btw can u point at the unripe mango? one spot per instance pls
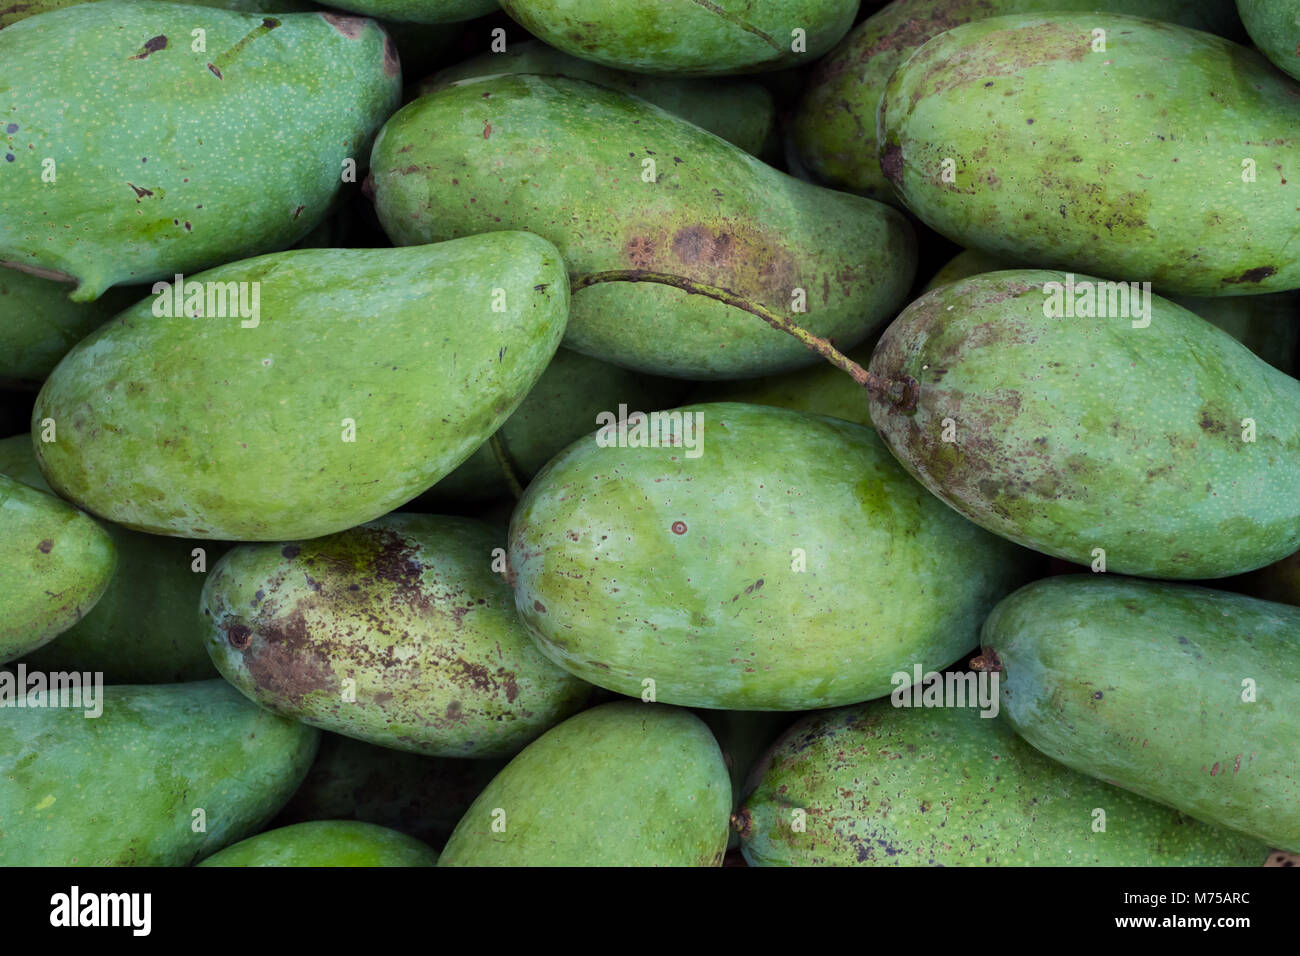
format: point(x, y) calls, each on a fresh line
point(619, 184)
point(326, 843)
point(30, 8)
point(622, 784)
point(645, 569)
point(55, 562)
point(1182, 694)
point(187, 151)
point(365, 376)
point(178, 771)
point(1039, 139)
point(420, 11)
point(1274, 25)
point(686, 37)
point(1149, 441)
point(878, 785)
point(399, 633)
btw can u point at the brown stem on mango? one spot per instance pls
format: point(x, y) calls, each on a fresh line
point(507, 466)
point(902, 391)
point(986, 662)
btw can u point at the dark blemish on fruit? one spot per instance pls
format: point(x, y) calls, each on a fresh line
point(152, 45)
point(1258, 274)
point(350, 27)
point(679, 527)
point(46, 546)
point(215, 71)
point(9, 157)
point(392, 62)
point(487, 130)
point(1097, 696)
point(290, 551)
point(298, 211)
point(270, 23)
point(11, 128)
point(140, 191)
point(539, 607)
point(891, 163)
point(239, 636)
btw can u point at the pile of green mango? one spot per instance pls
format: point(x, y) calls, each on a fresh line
point(609, 433)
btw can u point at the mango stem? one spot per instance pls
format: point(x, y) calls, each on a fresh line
point(895, 391)
point(507, 466)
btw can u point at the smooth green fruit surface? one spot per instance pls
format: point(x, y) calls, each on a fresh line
point(740, 111)
point(180, 160)
point(1165, 446)
point(1016, 136)
point(619, 184)
point(420, 11)
point(880, 785)
point(424, 797)
point(1274, 25)
point(834, 127)
point(399, 633)
point(30, 8)
point(127, 788)
point(326, 843)
point(55, 562)
point(1182, 694)
point(686, 37)
point(623, 784)
point(784, 563)
point(375, 371)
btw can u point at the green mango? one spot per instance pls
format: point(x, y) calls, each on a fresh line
point(54, 565)
point(375, 371)
point(879, 785)
point(409, 610)
point(833, 132)
point(1265, 324)
point(1159, 445)
point(622, 784)
point(743, 736)
point(326, 843)
point(687, 37)
point(38, 324)
point(187, 159)
point(419, 11)
point(23, 9)
point(714, 565)
point(561, 408)
point(564, 159)
point(1057, 173)
point(1182, 694)
point(740, 111)
point(1274, 25)
point(424, 797)
point(143, 629)
point(166, 775)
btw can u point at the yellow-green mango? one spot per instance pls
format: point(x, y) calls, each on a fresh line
point(326, 843)
point(365, 376)
point(188, 150)
point(619, 184)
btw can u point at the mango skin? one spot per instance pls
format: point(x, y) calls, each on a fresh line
point(1075, 188)
point(143, 629)
point(562, 158)
point(154, 429)
point(55, 564)
point(622, 784)
point(740, 111)
point(1077, 433)
point(156, 754)
point(424, 797)
point(30, 8)
point(684, 37)
point(640, 563)
point(833, 131)
point(1140, 683)
point(135, 198)
point(38, 324)
point(887, 786)
point(1274, 25)
point(326, 843)
point(420, 11)
point(409, 608)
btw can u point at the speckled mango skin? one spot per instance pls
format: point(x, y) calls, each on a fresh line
point(740, 111)
point(1077, 433)
point(157, 430)
point(170, 167)
point(1125, 163)
point(622, 784)
point(420, 11)
point(563, 158)
point(1274, 25)
point(143, 629)
point(409, 608)
point(640, 563)
point(892, 786)
point(1141, 684)
point(55, 563)
point(834, 128)
point(120, 789)
point(327, 843)
point(23, 9)
point(39, 324)
point(686, 37)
